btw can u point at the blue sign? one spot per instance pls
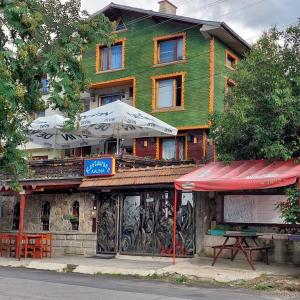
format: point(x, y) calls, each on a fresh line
point(104, 166)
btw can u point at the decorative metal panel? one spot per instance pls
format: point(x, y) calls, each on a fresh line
point(147, 224)
point(107, 223)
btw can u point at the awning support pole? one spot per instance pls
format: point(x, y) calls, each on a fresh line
point(21, 226)
point(174, 227)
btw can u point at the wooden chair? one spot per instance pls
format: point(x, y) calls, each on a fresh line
point(11, 245)
point(46, 245)
point(3, 243)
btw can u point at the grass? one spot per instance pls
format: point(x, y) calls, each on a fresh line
point(262, 287)
point(70, 268)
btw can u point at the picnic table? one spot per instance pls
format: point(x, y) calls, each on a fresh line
point(245, 242)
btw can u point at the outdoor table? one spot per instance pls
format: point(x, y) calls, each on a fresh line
point(242, 243)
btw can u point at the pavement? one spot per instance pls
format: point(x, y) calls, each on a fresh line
point(20, 284)
point(200, 267)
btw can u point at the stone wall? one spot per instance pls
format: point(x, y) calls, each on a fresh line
point(65, 240)
point(60, 210)
point(7, 204)
point(71, 243)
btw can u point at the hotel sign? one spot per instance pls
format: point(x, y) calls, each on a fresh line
point(105, 166)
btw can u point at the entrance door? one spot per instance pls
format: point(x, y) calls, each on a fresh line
point(147, 224)
point(107, 231)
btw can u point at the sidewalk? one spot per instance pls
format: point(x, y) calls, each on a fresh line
point(224, 270)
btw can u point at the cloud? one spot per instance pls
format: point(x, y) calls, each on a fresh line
point(249, 18)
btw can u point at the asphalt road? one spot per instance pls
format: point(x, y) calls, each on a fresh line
point(36, 284)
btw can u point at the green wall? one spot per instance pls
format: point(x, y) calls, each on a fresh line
point(221, 71)
point(139, 54)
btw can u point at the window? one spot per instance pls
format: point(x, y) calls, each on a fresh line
point(169, 48)
point(16, 216)
point(74, 219)
point(45, 216)
point(173, 148)
point(106, 99)
point(44, 83)
point(78, 152)
point(168, 92)
point(120, 25)
point(110, 58)
point(41, 113)
point(231, 60)
point(229, 84)
point(86, 104)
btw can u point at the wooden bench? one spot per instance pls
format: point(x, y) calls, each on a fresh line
point(234, 250)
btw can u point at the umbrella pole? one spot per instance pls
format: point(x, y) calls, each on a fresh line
point(118, 144)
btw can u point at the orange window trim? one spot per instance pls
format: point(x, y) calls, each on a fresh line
point(155, 80)
point(203, 144)
point(211, 74)
point(157, 154)
point(117, 82)
point(98, 53)
point(230, 54)
point(185, 135)
point(134, 148)
point(158, 39)
point(193, 127)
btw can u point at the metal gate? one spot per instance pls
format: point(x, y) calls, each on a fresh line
point(107, 226)
point(147, 224)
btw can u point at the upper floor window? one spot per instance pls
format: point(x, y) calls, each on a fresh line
point(44, 83)
point(169, 48)
point(120, 25)
point(229, 84)
point(173, 148)
point(110, 58)
point(231, 60)
point(168, 92)
point(106, 99)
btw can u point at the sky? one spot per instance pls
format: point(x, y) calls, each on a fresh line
point(249, 18)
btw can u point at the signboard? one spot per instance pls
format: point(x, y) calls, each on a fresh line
point(252, 209)
point(104, 166)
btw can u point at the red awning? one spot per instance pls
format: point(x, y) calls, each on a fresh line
point(240, 175)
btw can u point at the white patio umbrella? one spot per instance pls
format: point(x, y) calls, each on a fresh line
point(118, 119)
point(49, 133)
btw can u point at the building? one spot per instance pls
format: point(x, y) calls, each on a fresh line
point(175, 68)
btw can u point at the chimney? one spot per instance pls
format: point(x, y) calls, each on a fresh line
point(166, 7)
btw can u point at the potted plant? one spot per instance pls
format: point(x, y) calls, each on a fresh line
point(73, 219)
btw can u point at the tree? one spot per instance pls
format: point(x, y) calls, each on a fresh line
point(36, 38)
point(262, 112)
point(262, 115)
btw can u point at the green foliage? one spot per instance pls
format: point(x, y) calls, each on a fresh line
point(262, 115)
point(290, 210)
point(41, 37)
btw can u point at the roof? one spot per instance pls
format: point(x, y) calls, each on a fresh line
point(240, 175)
point(139, 176)
point(218, 29)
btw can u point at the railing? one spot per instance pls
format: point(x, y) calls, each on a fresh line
point(37, 245)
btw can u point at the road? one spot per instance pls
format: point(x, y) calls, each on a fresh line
point(36, 284)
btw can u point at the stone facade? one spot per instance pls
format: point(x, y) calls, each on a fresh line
point(65, 240)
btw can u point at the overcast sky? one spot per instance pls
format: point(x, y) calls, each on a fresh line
point(249, 18)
